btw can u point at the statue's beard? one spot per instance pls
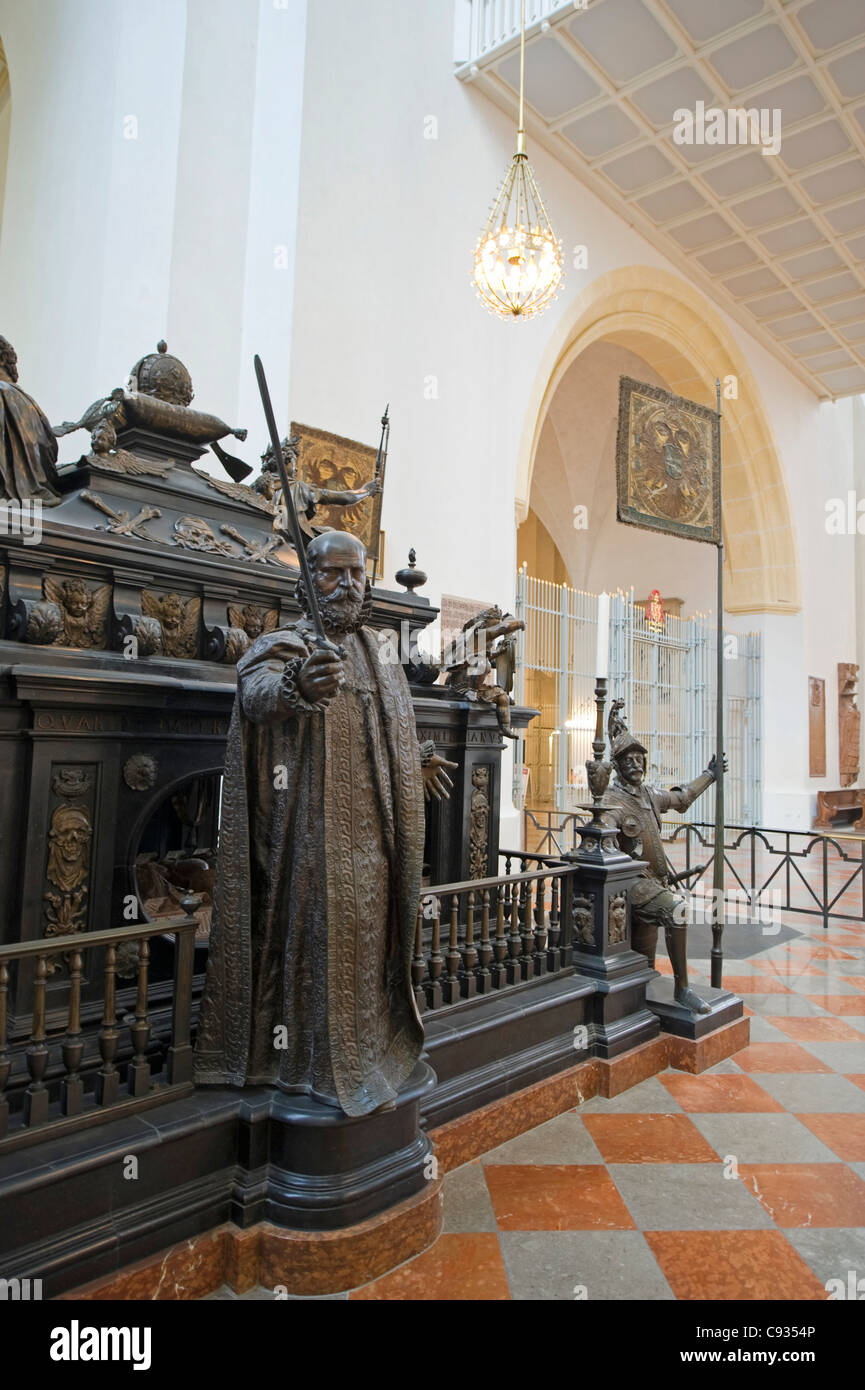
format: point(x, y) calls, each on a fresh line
point(341, 613)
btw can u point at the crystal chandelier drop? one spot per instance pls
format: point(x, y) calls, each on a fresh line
point(518, 258)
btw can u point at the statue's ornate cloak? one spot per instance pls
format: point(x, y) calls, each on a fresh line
point(318, 881)
point(28, 449)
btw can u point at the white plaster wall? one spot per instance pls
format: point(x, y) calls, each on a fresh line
point(5, 127)
point(89, 212)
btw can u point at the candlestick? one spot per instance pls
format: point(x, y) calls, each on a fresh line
point(602, 655)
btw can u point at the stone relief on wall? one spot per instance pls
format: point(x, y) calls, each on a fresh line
point(849, 723)
point(479, 829)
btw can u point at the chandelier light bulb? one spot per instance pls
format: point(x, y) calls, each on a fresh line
point(519, 263)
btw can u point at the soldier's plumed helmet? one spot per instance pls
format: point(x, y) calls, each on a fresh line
point(622, 741)
point(627, 742)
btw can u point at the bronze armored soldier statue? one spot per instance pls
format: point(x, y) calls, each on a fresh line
point(636, 810)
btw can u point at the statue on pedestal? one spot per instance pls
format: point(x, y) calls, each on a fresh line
point(28, 449)
point(321, 844)
point(636, 810)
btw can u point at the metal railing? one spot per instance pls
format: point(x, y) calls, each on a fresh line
point(55, 1107)
point(484, 935)
point(806, 872)
point(493, 23)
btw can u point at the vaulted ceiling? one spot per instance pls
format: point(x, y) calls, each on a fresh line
point(778, 240)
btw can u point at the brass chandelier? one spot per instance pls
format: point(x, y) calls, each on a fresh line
point(518, 258)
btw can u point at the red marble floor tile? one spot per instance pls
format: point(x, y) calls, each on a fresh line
point(844, 1134)
point(778, 1057)
point(807, 1194)
point(816, 1029)
point(556, 1197)
point(720, 1095)
point(816, 952)
point(855, 980)
point(728, 1265)
point(457, 1267)
point(857, 1081)
point(649, 1139)
point(838, 1003)
point(755, 983)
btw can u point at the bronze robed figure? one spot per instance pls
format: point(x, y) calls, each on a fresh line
point(28, 448)
point(319, 876)
point(636, 811)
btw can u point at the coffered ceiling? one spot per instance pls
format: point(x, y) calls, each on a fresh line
point(778, 240)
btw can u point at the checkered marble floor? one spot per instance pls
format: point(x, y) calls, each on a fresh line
point(747, 1182)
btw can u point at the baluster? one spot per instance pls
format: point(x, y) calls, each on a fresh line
point(139, 1078)
point(72, 1047)
point(5, 1059)
point(107, 1078)
point(436, 962)
point(554, 955)
point(483, 976)
point(515, 942)
point(418, 964)
point(36, 1095)
point(470, 954)
point(540, 951)
point(498, 973)
point(452, 955)
point(526, 934)
point(507, 865)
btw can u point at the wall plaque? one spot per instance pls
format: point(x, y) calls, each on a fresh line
point(816, 727)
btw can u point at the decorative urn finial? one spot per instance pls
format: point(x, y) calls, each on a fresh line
point(411, 578)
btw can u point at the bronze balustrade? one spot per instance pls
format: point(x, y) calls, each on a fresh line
point(498, 932)
point(73, 1107)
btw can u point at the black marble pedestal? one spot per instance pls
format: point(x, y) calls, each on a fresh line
point(724, 1008)
point(326, 1170)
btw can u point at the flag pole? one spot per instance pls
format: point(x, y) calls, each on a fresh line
point(717, 915)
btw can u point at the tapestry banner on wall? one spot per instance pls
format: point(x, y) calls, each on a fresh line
point(668, 463)
point(341, 465)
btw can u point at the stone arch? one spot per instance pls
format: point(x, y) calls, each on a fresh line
point(670, 325)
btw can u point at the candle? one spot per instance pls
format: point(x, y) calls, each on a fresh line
point(602, 657)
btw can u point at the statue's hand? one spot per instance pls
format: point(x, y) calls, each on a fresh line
point(373, 488)
point(320, 677)
point(435, 780)
point(713, 765)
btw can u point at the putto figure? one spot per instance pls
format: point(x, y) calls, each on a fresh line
point(28, 448)
point(636, 810)
point(308, 981)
